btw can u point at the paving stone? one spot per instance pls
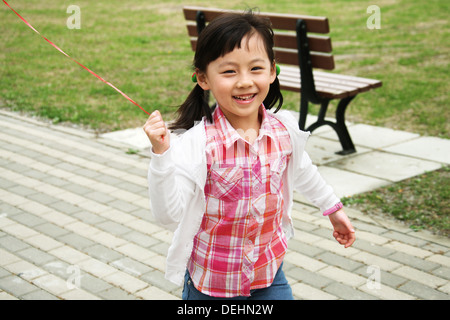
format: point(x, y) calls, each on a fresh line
point(131, 267)
point(116, 293)
point(35, 256)
point(125, 281)
point(372, 248)
point(16, 286)
point(430, 148)
point(386, 166)
point(78, 294)
point(306, 292)
point(93, 284)
point(342, 276)
point(51, 230)
point(386, 293)
point(423, 291)
point(76, 241)
point(52, 284)
point(386, 278)
point(156, 278)
point(12, 244)
point(308, 277)
point(102, 253)
point(420, 276)
point(59, 268)
point(39, 294)
point(412, 261)
point(339, 178)
point(154, 293)
point(347, 293)
point(142, 239)
point(338, 261)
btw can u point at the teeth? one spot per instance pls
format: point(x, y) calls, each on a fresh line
point(244, 97)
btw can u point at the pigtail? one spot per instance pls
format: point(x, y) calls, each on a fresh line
point(274, 96)
point(193, 109)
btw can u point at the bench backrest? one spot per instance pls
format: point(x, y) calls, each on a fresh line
point(286, 30)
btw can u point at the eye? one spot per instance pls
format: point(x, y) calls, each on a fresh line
point(257, 68)
point(228, 72)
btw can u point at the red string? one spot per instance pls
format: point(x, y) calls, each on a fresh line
point(87, 69)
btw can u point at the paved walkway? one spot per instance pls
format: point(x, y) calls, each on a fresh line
point(75, 222)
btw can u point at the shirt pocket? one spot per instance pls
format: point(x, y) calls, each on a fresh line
point(226, 183)
point(277, 167)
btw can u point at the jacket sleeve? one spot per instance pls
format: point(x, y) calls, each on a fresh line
point(169, 189)
point(311, 184)
point(177, 177)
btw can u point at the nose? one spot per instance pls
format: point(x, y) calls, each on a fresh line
point(244, 81)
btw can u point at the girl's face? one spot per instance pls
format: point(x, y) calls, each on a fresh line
point(240, 80)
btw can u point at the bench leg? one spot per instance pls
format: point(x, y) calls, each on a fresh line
point(321, 117)
point(339, 126)
point(303, 113)
point(341, 129)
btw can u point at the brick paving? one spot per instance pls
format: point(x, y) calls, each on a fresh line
point(75, 224)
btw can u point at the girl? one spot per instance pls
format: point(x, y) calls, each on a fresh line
point(225, 186)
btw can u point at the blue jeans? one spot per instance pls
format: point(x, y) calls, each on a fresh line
point(278, 290)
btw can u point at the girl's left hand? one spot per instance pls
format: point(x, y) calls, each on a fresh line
point(343, 229)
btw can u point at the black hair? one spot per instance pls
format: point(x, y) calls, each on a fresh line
point(221, 36)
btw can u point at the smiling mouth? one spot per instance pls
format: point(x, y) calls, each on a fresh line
point(245, 98)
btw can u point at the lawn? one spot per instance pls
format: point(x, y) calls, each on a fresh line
point(422, 202)
point(142, 48)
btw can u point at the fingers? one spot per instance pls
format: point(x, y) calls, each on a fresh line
point(157, 132)
point(155, 124)
point(344, 233)
point(345, 239)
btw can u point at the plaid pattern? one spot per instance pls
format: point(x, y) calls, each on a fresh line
point(240, 243)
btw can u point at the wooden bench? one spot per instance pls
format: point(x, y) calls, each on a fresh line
point(299, 52)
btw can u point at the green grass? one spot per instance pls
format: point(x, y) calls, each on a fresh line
point(142, 48)
point(422, 202)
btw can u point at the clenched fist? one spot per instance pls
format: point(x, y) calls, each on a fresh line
point(157, 132)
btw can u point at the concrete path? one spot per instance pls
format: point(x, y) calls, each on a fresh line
point(75, 222)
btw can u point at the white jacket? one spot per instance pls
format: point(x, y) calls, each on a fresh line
point(177, 179)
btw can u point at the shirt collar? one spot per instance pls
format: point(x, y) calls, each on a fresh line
point(229, 135)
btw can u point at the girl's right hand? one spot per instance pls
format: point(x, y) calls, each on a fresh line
point(157, 132)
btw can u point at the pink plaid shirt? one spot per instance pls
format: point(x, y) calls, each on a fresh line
point(240, 244)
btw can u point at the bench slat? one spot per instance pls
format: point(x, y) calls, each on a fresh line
point(288, 71)
point(327, 84)
point(329, 90)
point(360, 86)
point(319, 60)
point(329, 93)
point(345, 78)
point(278, 20)
point(285, 40)
point(316, 43)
